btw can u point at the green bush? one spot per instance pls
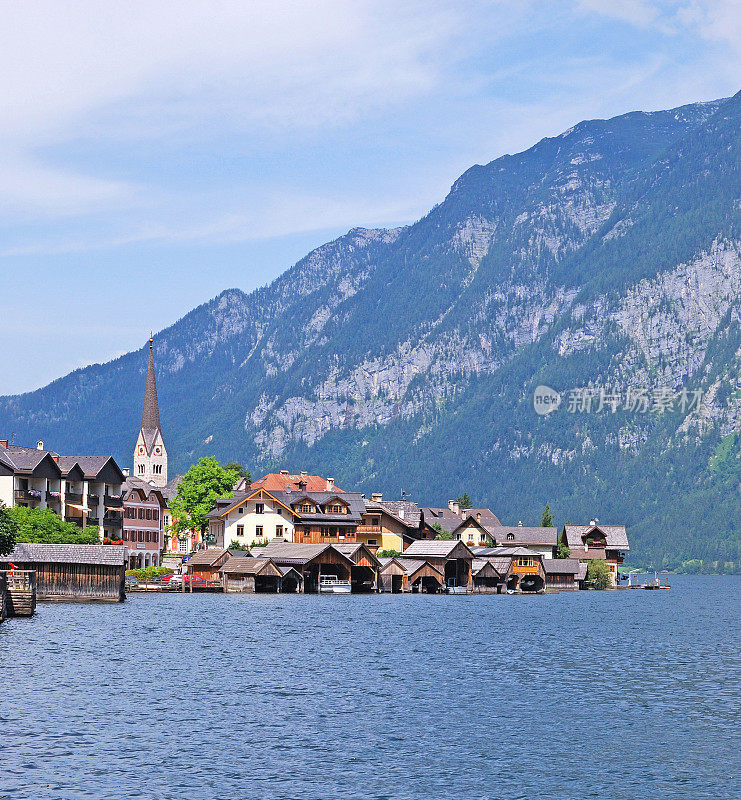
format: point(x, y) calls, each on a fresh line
point(388, 553)
point(8, 530)
point(147, 573)
point(43, 526)
point(598, 574)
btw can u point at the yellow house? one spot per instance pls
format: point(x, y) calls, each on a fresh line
point(383, 528)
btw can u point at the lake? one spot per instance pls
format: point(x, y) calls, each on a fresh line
point(626, 694)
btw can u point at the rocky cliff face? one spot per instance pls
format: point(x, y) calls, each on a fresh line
point(608, 257)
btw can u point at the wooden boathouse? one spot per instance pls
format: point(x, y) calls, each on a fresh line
point(256, 575)
point(72, 571)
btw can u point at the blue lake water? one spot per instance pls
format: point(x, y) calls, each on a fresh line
point(627, 694)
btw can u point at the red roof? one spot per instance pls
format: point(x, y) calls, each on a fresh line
point(278, 481)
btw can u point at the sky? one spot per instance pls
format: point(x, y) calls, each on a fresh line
point(153, 154)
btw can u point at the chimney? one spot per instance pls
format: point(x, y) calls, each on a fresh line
point(453, 506)
point(3, 442)
point(302, 486)
point(330, 484)
point(304, 474)
point(377, 497)
point(40, 444)
point(478, 516)
point(592, 521)
point(126, 472)
point(284, 472)
point(519, 524)
point(400, 513)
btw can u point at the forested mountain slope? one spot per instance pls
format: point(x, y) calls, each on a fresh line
point(608, 256)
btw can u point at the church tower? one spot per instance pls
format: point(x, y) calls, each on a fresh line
point(150, 455)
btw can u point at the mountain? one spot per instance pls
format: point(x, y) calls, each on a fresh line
point(607, 257)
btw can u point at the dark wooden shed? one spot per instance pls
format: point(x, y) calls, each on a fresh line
point(72, 571)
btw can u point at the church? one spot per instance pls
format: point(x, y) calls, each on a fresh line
point(150, 453)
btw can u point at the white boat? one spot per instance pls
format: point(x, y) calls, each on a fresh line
point(331, 584)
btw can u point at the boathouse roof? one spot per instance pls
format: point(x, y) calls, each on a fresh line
point(26, 553)
point(561, 566)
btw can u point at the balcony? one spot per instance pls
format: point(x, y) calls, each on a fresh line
point(93, 499)
point(113, 501)
point(53, 497)
point(115, 523)
point(73, 497)
point(30, 495)
point(76, 520)
point(369, 529)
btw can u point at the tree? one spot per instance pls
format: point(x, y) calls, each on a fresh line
point(8, 530)
point(546, 521)
point(388, 553)
point(442, 534)
point(598, 574)
point(43, 526)
point(464, 501)
point(240, 470)
point(201, 486)
point(563, 551)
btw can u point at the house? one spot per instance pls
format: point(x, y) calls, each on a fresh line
point(521, 570)
point(451, 558)
point(257, 575)
point(85, 490)
point(486, 577)
point(540, 540)
point(284, 481)
point(561, 573)
point(143, 526)
point(410, 575)
point(206, 564)
point(324, 517)
point(352, 562)
point(607, 542)
point(449, 519)
point(384, 527)
point(72, 571)
point(251, 518)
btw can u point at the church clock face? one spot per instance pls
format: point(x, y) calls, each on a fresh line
point(158, 451)
point(141, 450)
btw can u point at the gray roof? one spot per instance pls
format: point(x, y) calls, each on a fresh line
point(294, 552)
point(411, 565)
point(24, 459)
point(524, 535)
point(206, 558)
point(615, 535)
point(354, 500)
point(404, 510)
point(113, 555)
point(561, 566)
point(582, 574)
point(170, 489)
point(245, 566)
point(481, 563)
point(131, 483)
point(433, 548)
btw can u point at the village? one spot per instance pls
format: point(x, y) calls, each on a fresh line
point(282, 533)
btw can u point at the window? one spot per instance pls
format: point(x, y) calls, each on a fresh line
point(372, 542)
point(146, 536)
point(306, 508)
point(183, 545)
point(141, 513)
point(149, 513)
point(155, 513)
point(157, 469)
point(240, 511)
point(326, 531)
point(259, 508)
point(279, 512)
point(525, 561)
point(240, 530)
point(510, 537)
point(125, 534)
point(258, 531)
point(141, 536)
point(336, 509)
point(470, 537)
point(279, 530)
point(155, 536)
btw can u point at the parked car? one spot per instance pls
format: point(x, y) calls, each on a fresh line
point(172, 581)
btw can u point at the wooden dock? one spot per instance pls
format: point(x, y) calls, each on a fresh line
point(19, 592)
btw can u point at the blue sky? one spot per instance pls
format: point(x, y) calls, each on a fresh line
point(154, 153)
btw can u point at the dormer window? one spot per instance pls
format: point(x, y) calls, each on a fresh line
point(336, 509)
point(259, 508)
point(510, 537)
point(306, 508)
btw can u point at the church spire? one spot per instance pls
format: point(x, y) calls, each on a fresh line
point(151, 409)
